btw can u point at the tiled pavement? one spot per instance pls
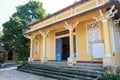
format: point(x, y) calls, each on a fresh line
point(17, 75)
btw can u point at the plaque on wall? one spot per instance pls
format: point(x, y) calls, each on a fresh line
point(98, 50)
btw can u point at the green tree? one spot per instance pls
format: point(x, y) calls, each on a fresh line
point(1, 35)
point(13, 38)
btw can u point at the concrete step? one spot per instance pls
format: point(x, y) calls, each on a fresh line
point(77, 67)
point(80, 71)
point(49, 75)
point(70, 70)
point(61, 73)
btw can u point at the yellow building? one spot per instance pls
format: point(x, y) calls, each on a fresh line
point(88, 30)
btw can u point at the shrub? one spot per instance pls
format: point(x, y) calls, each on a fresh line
point(3, 57)
point(22, 61)
point(111, 77)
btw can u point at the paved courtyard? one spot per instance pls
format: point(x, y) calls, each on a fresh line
point(13, 74)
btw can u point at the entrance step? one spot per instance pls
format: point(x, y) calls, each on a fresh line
point(63, 72)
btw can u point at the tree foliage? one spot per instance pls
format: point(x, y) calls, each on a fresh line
point(1, 35)
point(13, 38)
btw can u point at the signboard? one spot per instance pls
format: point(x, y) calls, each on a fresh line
point(98, 50)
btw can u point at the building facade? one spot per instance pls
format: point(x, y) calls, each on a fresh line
point(88, 30)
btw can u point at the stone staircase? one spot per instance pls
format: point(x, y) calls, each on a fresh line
point(60, 70)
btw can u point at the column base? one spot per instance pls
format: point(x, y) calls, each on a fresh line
point(44, 60)
point(107, 61)
point(30, 59)
point(71, 61)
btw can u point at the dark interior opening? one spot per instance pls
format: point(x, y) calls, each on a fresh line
point(65, 48)
point(10, 56)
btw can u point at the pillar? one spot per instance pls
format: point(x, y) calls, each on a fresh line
point(44, 57)
point(71, 59)
point(30, 59)
point(71, 27)
point(71, 43)
point(107, 61)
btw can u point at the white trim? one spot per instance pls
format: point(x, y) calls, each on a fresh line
point(101, 13)
point(62, 36)
point(104, 20)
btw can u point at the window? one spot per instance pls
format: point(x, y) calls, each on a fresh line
point(37, 46)
point(93, 34)
point(118, 36)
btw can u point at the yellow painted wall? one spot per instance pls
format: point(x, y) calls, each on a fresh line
point(37, 56)
point(76, 9)
point(80, 37)
point(51, 54)
point(85, 7)
point(82, 41)
point(63, 15)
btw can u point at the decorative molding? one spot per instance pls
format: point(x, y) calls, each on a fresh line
point(44, 34)
point(30, 37)
point(72, 11)
point(117, 21)
point(101, 13)
point(111, 13)
point(77, 13)
point(71, 27)
point(97, 18)
point(92, 34)
point(104, 20)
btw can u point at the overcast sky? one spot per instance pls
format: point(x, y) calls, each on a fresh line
point(8, 7)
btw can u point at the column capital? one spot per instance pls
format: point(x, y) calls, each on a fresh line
point(29, 37)
point(97, 18)
point(44, 34)
point(105, 20)
point(71, 26)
